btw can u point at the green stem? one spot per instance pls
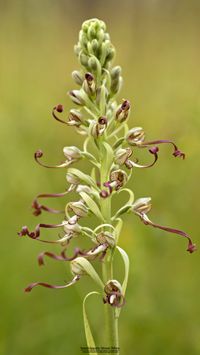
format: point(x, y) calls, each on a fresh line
point(111, 317)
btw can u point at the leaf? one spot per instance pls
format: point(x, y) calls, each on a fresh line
point(127, 206)
point(86, 266)
point(121, 211)
point(92, 205)
point(118, 143)
point(88, 333)
point(82, 176)
point(126, 264)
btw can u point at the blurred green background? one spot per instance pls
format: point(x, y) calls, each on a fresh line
point(157, 46)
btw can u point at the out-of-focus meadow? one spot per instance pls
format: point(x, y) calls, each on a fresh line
point(157, 45)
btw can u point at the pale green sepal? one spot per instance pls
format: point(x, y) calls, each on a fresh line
point(83, 177)
point(87, 267)
point(92, 205)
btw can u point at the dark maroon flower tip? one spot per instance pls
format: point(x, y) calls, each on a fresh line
point(24, 231)
point(104, 194)
point(102, 120)
point(89, 77)
point(38, 209)
point(125, 105)
point(178, 153)
point(191, 247)
point(154, 150)
point(59, 108)
point(38, 154)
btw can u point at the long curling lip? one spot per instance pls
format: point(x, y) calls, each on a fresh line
point(191, 247)
point(39, 207)
point(176, 153)
point(44, 284)
point(154, 151)
point(61, 257)
point(58, 108)
point(39, 154)
point(34, 235)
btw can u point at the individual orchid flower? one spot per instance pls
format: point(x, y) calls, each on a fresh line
point(143, 205)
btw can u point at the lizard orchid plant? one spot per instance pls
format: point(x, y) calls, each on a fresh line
point(110, 147)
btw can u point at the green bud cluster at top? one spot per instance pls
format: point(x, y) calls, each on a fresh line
point(110, 148)
point(94, 48)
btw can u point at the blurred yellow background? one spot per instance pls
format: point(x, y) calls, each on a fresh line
point(157, 45)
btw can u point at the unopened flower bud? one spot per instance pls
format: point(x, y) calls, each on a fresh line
point(83, 60)
point(123, 111)
point(77, 268)
point(110, 55)
point(59, 108)
point(95, 47)
point(76, 97)
point(97, 129)
point(94, 64)
point(78, 77)
point(105, 237)
point(84, 188)
point(142, 205)
point(135, 136)
point(72, 179)
point(78, 208)
point(89, 84)
point(112, 285)
point(116, 80)
point(91, 33)
point(116, 72)
point(74, 228)
point(75, 118)
point(122, 155)
point(72, 153)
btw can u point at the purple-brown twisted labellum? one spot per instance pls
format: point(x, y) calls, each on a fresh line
point(191, 247)
point(61, 257)
point(153, 151)
point(44, 284)
point(38, 207)
point(58, 108)
point(34, 235)
point(176, 153)
point(38, 154)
